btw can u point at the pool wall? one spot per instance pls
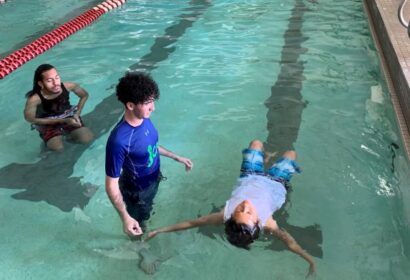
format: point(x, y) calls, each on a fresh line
point(393, 45)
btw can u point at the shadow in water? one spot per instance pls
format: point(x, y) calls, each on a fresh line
point(285, 106)
point(49, 179)
point(309, 238)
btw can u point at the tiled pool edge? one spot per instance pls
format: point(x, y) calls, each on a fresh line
point(393, 46)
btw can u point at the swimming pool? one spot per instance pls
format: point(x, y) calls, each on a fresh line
point(280, 71)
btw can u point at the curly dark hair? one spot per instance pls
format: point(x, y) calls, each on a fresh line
point(136, 87)
point(241, 235)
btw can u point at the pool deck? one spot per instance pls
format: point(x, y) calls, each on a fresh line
point(393, 46)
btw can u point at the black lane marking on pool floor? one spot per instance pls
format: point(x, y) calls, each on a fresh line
point(50, 178)
point(285, 107)
point(161, 48)
point(285, 102)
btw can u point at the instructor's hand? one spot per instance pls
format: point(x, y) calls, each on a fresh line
point(186, 161)
point(132, 227)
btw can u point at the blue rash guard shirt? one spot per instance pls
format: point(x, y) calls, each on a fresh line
point(134, 150)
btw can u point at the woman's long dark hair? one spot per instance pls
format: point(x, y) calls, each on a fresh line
point(38, 77)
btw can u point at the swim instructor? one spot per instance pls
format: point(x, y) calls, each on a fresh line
point(132, 163)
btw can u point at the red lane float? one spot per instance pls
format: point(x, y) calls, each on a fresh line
point(49, 40)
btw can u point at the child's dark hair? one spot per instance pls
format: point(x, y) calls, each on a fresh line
point(241, 235)
point(136, 87)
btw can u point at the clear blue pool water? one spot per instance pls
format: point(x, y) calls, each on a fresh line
point(291, 73)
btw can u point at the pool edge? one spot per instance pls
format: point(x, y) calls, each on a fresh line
point(394, 53)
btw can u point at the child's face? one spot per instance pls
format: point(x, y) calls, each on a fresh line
point(245, 213)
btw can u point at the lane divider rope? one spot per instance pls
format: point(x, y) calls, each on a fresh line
point(49, 40)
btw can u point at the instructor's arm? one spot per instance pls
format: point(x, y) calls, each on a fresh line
point(185, 161)
point(130, 226)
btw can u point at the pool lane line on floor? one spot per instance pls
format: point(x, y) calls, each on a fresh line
point(286, 101)
point(172, 34)
point(286, 104)
point(49, 40)
point(50, 179)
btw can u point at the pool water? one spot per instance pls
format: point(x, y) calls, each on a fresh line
point(294, 74)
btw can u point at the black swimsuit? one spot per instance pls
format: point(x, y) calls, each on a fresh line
point(55, 106)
